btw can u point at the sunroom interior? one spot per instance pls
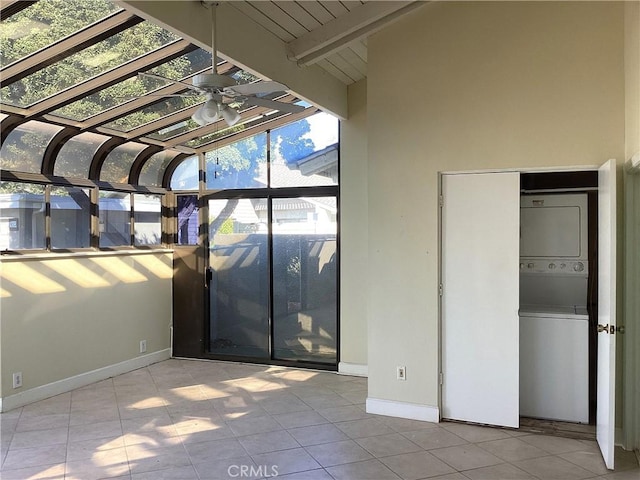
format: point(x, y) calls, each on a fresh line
point(308, 236)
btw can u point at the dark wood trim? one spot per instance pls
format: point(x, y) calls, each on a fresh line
point(139, 162)
point(52, 150)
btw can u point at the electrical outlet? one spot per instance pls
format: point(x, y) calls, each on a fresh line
point(401, 373)
point(17, 380)
point(143, 346)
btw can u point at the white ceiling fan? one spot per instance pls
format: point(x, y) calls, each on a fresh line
point(221, 91)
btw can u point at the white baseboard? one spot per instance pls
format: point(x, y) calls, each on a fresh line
point(82, 380)
point(413, 411)
point(356, 369)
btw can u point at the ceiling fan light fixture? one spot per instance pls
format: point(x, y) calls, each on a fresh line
point(198, 118)
point(210, 111)
point(230, 115)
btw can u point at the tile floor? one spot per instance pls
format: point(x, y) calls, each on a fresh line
point(183, 420)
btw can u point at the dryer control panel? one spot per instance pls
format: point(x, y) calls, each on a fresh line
point(554, 266)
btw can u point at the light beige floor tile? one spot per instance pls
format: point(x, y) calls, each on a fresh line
point(319, 474)
point(414, 466)
point(144, 459)
point(317, 434)
point(326, 400)
point(336, 453)
point(466, 457)
point(40, 438)
point(343, 414)
point(188, 424)
point(355, 397)
point(58, 404)
point(553, 468)
point(253, 425)
point(625, 475)
point(202, 408)
point(31, 457)
point(300, 419)
point(93, 399)
point(553, 445)
point(286, 461)
point(224, 469)
point(367, 470)
point(221, 432)
point(503, 471)
point(387, 445)
point(285, 405)
point(110, 429)
point(512, 449)
point(430, 438)
point(42, 422)
point(150, 407)
point(364, 428)
point(44, 472)
point(590, 460)
point(173, 473)
point(106, 464)
point(177, 418)
point(95, 415)
point(268, 442)
point(405, 424)
point(451, 476)
point(87, 448)
point(203, 452)
point(475, 433)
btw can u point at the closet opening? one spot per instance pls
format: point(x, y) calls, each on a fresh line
point(558, 311)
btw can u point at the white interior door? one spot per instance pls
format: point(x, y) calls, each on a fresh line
point(606, 377)
point(479, 313)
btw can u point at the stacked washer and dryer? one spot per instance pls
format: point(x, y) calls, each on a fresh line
point(554, 323)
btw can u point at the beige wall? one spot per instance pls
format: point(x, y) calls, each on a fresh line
point(353, 228)
point(68, 315)
point(459, 86)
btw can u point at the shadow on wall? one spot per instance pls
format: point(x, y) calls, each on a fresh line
point(50, 276)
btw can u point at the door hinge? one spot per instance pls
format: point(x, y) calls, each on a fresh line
point(440, 289)
point(441, 201)
point(441, 379)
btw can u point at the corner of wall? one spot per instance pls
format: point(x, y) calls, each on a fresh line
point(353, 232)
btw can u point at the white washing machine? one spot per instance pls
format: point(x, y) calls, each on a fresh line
point(554, 363)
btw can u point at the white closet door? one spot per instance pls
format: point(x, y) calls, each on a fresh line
point(606, 372)
point(479, 313)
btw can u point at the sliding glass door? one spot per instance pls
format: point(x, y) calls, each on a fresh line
point(238, 278)
point(272, 279)
point(304, 279)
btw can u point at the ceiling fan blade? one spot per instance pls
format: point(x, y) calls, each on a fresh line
point(165, 79)
point(258, 87)
point(281, 106)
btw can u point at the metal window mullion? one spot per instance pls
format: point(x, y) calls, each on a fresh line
point(269, 158)
point(94, 195)
point(270, 275)
point(47, 217)
point(132, 226)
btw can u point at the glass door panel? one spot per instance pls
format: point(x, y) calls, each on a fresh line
point(305, 279)
point(238, 278)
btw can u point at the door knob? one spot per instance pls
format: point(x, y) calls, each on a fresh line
point(620, 329)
